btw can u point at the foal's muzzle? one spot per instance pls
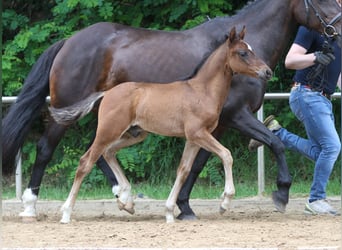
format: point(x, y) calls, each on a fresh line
point(265, 74)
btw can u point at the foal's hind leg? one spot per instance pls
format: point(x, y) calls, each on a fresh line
point(107, 171)
point(124, 195)
point(86, 164)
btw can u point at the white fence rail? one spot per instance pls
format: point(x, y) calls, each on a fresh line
point(261, 161)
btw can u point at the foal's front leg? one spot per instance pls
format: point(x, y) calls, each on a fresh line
point(209, 143)
point(189, 153)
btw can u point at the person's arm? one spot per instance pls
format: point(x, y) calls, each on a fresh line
point(297, 58)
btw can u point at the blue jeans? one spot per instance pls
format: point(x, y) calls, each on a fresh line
point(323, 144)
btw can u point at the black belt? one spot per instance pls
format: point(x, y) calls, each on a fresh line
point(326, 95)
point(297, 84)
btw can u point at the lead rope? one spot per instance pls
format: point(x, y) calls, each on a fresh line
point(319, 68)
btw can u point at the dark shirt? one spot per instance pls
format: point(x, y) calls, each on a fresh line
point(313, 41)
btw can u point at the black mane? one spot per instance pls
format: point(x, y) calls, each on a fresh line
point(204, 59)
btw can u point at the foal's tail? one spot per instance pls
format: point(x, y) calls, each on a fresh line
point(70, 114)
point(32, 97)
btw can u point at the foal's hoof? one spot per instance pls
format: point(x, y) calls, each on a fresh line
point(253, 145)
point(129, 207)
point(222, 210)
point(64, 221)
point(279, 203)
point(29, 213)
point(129, 210)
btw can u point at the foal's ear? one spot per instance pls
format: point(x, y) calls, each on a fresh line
point(232, 34)
point(242, 32)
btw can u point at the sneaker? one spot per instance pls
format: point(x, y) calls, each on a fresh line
point(319, 207)
point(272, 124)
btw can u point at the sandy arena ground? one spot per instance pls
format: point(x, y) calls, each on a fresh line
point(251, 223)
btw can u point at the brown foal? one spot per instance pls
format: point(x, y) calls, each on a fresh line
point(189, 109)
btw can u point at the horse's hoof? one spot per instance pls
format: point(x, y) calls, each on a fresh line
point(222, 210)
point(183, 216)
point(279, 203)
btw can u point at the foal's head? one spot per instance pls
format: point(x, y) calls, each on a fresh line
point(241, 59)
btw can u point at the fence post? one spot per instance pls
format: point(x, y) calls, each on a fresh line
point(18, 177)
point(261, 160)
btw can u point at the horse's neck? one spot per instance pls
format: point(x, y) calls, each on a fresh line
point(271, 31)
point(267, 22)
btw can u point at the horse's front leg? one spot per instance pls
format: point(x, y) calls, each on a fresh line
point(45, 148)
point(252, 127)
point(188, 157)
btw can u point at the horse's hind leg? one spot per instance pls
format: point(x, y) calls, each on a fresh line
point(45, 148)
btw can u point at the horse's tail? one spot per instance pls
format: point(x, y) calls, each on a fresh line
point(70, 114)
point(32, 97)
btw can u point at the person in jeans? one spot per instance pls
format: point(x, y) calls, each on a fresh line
point(317, 61)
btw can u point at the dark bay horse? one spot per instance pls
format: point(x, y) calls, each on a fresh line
point(189, 108)
point(106, 54)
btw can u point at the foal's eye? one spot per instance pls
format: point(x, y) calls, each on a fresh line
point(243, 53)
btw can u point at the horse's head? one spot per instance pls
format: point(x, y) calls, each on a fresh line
point(241, 59)
point(320, 15)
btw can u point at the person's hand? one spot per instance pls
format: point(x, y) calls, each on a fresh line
point(323, 58)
